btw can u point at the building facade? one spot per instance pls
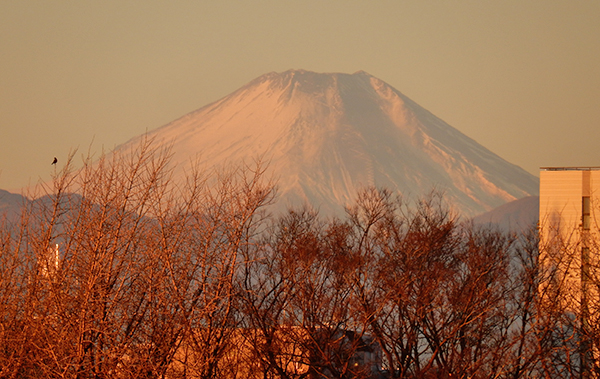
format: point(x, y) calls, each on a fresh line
point(569, 201)
point(569, 252)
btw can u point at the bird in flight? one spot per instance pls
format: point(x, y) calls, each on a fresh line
point(54, 161)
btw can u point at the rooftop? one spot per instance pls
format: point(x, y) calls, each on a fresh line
point(575, 168)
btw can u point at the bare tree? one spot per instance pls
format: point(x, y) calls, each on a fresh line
point(115, 271)
point(222, 231)
point(437, 295)
point(297, 302)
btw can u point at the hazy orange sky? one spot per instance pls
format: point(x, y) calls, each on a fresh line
point(520, 77)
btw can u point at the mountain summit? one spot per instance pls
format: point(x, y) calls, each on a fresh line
point(325, 136)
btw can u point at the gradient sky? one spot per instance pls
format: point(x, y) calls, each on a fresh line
point(520, 77)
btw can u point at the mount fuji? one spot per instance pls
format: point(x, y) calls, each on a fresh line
point(327, 135)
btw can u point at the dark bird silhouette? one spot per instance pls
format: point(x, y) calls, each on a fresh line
point(54, 161)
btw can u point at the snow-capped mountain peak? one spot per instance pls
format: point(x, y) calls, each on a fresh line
point(328, 135)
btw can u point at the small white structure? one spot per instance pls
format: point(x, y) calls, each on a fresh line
point(50, 262)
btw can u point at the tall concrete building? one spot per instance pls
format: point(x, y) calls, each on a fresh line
point(569, 225)
point(569, 249)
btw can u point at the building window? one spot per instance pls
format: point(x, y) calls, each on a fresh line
point(585, 213)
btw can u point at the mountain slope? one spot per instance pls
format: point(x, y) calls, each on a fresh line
point(11, 205)
point(327, 135)
point(518, 215)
